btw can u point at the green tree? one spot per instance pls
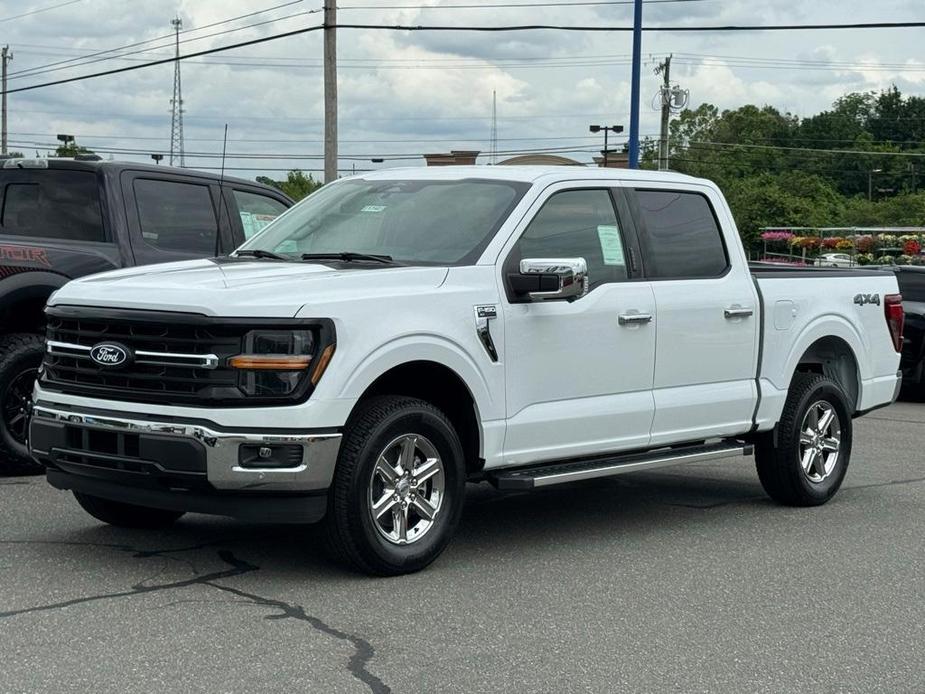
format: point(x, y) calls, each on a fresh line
point(71, 149)
point(296, 185)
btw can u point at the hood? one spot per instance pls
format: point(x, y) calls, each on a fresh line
point(262, 288)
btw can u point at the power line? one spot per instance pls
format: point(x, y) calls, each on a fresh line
point(162, 61)
point(102, 55)
point(814, 150)
point(40, 9)
point(295, 32)
point(610, 29)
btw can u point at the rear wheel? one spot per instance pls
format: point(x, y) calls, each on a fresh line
point(20, 358)
point(126, 515)
point(398, 489)
point(808, 462)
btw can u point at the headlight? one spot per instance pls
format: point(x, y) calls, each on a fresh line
point(279, 362)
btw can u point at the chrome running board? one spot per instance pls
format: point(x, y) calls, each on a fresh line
point(561, 472)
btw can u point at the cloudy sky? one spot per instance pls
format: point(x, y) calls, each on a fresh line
point(404, 93)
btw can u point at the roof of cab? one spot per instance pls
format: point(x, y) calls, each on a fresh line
point(117, 166)
point(525, 174)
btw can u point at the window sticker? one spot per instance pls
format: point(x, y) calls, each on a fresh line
point(611, 245)
point(374, 208)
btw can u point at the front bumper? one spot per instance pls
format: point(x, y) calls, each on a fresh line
point(178, 457)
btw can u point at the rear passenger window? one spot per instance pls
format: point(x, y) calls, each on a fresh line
point(54, 204)
point(680, 236)
point(176, 216)
point(578, 224)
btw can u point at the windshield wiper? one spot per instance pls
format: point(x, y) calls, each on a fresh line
point(258, 253)
point(349, 257)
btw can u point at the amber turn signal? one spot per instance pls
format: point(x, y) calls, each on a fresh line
point(270, 362)
point(322, 364)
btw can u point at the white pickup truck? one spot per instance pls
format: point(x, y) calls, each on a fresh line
point(400, 333)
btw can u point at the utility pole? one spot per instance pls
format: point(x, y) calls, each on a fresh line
point(330, 91)
point(7, 56)
point(634, 95)
point(176, 104)
point(665, 70)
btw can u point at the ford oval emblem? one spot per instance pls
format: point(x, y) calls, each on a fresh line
point(109, 354)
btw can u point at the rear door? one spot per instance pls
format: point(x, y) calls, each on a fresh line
point(171, 217)
point(706, 316)
point(53, 219)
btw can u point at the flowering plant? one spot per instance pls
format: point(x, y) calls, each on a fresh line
point(885, 260)
point(888, 239)
point(776, 236)
point(831, 242)
point(844, 245)
point(904, 260)
point(865, 244)
point(865, 258)
point(912, 247)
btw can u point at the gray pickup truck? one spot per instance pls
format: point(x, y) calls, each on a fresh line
point(66, 218)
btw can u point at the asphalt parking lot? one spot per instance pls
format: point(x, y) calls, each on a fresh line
point(682, 580)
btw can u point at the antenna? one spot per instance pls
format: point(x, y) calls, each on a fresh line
point(224, 149)
point(223, 205)
point(176, 103)
point(494, 128)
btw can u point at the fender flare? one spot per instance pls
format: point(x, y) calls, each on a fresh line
point(32, 284)
point(423, 347)
point(826, 326)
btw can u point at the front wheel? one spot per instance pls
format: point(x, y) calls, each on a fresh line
point(398, 488)
point(808, 462)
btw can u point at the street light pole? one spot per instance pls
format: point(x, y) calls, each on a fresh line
point(870, 183)
point(616, 129)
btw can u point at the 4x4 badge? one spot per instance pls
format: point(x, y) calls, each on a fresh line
point(863, 299)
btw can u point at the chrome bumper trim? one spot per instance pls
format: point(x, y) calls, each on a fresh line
point(315, 472)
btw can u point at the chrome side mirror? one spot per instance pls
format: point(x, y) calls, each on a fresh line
point(551, 279)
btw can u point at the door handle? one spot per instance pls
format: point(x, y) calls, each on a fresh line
point(634, 318)
point(737, 312)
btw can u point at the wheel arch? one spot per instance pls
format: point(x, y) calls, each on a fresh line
point(833, 357)
point(441, 386)
point(23, 298)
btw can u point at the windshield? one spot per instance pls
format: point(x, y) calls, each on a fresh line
point(413, 222)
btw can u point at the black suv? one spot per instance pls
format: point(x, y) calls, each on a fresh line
point(66, 218)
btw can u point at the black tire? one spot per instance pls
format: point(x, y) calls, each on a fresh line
point(780, 468)
point(126, 515)
point(20, 358)
point(350, 532)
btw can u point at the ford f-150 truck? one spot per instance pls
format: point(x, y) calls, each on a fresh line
point(400, 333)
point(63, 218)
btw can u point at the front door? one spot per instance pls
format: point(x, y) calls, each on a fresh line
point(578, 376)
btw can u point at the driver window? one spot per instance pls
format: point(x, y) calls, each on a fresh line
point(578, 224)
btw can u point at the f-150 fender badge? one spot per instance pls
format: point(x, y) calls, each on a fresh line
point(483, 318)
point(864, 299)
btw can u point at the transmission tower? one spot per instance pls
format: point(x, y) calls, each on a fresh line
point(494, 128)
point(176, 105)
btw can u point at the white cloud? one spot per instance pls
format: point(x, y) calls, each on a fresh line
point(441, 96)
